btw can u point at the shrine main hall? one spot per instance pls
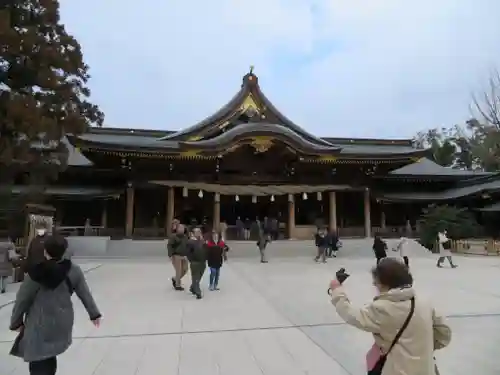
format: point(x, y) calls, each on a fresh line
point(248, 161)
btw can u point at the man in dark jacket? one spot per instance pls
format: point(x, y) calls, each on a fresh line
point(197, 256)
point(43, 312)
point(322, 242)
point(176, 247)
point(35, 253)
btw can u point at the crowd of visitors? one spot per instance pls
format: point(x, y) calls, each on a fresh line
point(406, 330)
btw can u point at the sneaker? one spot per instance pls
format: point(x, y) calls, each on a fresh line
point(199, 296)
point(211, 288)
point(191, 290)
point(454, 266)
point(216, 288)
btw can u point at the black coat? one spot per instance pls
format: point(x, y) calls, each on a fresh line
point(333, 240)
point(215, 254)
point(322, 242)
point(379, 248)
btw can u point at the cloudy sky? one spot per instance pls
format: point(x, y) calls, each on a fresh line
point(346, 68)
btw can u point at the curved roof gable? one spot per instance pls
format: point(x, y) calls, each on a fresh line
point(251, 102)
point(261, 129)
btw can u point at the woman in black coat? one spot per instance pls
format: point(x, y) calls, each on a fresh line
point(379, 248)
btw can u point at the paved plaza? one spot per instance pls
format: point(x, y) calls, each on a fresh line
point(271, 319)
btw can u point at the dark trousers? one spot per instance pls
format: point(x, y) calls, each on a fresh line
point(44, 367)
point(379, 258)
point(197, 270)
point(214, 277)
point(406, 260)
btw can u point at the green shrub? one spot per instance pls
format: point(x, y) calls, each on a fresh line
point(458, 222)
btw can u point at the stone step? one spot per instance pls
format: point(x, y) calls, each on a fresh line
point(352, 248)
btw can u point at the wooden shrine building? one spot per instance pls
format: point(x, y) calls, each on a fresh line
point(248, 160)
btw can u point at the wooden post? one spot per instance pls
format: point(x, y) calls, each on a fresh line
point(291, 217)
point(104, 215)
point(333, 211)
point(170, 213)
point(368, 222)
point(216, 216)
point(129, 221)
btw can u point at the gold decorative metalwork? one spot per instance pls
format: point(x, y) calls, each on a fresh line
point(261, 144)
point(195, 138)
point(249, 102)
point(230, 149)
point(327, 159)
point(190, 153)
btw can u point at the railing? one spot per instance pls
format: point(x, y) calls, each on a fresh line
point(476, 246)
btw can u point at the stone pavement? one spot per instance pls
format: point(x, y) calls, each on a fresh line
point(9, 297)
point(271, 319)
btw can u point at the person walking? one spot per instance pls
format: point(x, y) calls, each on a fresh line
point(322, 242)
point(43, 312)
point(197, 256)
point(176, 247)
point(216, 255)
point(333, 243)
point(7, 248)
point(406, 329)
point(444, 244)
point(262, 243)
point(379, 248)
point(402, 248)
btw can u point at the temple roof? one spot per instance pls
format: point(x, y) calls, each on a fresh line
point(472, 187)
point(132, 138)
point(426, 167)
point(250, 102)
point(248, 114)
point(495, 207)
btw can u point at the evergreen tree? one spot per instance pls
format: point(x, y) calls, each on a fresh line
point(43, 86)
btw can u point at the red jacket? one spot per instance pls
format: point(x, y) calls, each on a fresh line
point(215, 253)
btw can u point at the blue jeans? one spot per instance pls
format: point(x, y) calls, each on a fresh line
point(214, 277)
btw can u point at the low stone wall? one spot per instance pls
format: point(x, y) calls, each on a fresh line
point(88, 246)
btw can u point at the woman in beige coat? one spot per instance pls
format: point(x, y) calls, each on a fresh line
point(413, 353)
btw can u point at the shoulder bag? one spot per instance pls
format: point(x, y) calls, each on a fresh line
point(379, 365)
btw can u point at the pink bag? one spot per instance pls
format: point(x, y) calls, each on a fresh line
point(372, 357)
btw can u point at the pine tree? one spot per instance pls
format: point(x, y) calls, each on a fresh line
point(43, 86)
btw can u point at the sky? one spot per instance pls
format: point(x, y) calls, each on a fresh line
point(338, 68)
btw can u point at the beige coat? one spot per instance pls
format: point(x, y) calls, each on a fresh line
point(426, 332)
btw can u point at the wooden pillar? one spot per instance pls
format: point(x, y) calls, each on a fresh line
point(368, 222)
point(216, 218)
point(170, 213)
point(333, 211)
point(104, 215)
point(291, 217)
point(129, 220)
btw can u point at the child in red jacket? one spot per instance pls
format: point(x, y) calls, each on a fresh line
point(216, 255)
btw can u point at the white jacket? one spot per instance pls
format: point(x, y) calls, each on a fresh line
point(402, 246)
point(442, 238)
point(426, 332)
